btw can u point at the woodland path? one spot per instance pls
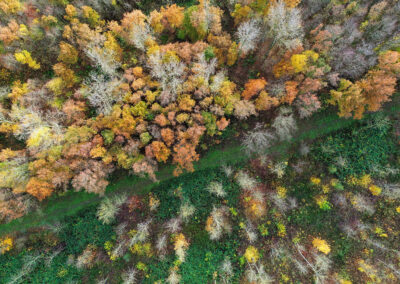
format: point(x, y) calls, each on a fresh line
point(228, 152)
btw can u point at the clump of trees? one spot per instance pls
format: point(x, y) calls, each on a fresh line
point(142, 102)
point(88, 92)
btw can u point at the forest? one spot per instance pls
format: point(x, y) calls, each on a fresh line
point(209, 141)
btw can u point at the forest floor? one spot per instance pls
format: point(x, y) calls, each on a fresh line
point(228, 152)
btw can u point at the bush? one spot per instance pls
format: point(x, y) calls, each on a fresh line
point(159, 270)
point(192, 188)
point(57, 272)
point(362, 149)
point(82, 229)
point(204, 258)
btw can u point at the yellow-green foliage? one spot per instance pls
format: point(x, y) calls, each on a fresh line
point(39, 136)
point(251, 254)
point(6, 244)
point(25, 57)
point(301, 61)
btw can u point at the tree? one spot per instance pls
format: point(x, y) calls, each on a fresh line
point(18, 90)
point(168, 136)
point(292, 3)
point(92, 177)
point(10, 6)
point(251, 254)
point(185, 149)
point(248, 34)
point(204, 19)
point(134, 29)
point(285, 67)
point(87, 258)
point(244, 109)
point(180, 246)
point(101, 56)
point(66, 74)
point(68, 54)
point(265, 102)
point(218, 223)
point(145, 166)
point(285, 124)
point(186, 103)
point(42, 138)
point(109, 208)
point(216, 188)
point(254, 203)
point(185, 154)
point(321, 39)
point(25, 57)
point(74, 110)
point(169, 71)
point(284, 25)
point(241, 13)
point(258, 140)
point(378, 87)
point(232, 55)
point(172, 17)
point(9, 33)
point(252, 87)
point(389, 61)
point(349, 99)
point(13, 206)
point(307, 104)
point(372, 91)
point(291, 91)
point(14, 172)
point(156, 21)
point(173, 277)
point(311, 85)
point(130, 276)
point(255, 273)
point(161, 120)
point(161, 152)
point(321, 245)
point(101, 92)
point(92, 16)
point(222, 123)
point(39, 189)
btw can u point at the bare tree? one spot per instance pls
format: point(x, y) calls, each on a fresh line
point(285, 124)
point(129, 276)
point(258, 140)
point(248, 34)
point(100, 91)
point(169, 73)
point(284, 25)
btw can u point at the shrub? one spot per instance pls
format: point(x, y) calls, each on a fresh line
point(193, 188)
point(356, 151)
point(26, 267)
point(82, 229)
point(204, 257)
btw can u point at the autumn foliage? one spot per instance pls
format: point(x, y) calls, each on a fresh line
point(141, 102)
point(369, 93)
point(86, 93)
point(252, 87)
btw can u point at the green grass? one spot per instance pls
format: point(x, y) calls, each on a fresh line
point(364, 149)
point(230, 152)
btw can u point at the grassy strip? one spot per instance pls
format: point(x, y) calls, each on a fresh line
point(231, 152)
